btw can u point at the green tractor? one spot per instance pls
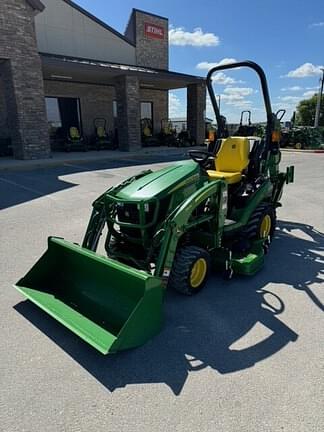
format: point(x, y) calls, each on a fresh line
point(165, 229)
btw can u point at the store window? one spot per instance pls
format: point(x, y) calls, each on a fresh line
point(53, 115)
point(115, 113)
point(147, 118)
point(62, 114)
point(147, 110)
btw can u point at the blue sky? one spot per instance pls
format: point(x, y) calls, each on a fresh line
point(285, 37)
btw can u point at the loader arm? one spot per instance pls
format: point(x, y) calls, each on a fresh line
point(181, 221)
point(98, 216)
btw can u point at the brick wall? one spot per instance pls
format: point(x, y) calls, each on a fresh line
point(196, 108)
point(4, 129)
point(150, 51)
point(128, 122)
point(22, 77)
point(95, 101)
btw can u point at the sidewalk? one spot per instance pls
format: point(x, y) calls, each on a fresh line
point(292, 150)
point(61, 158)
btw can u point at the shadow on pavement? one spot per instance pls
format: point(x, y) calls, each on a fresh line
point(17, 187)
point(199, 332)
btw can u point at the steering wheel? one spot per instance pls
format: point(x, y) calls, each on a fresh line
point(201, 157)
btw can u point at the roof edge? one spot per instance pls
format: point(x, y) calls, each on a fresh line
point(36, 4)
point(162, 71)
point(96, 20)
point(149, 13)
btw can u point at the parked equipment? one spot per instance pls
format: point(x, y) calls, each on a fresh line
point(148, 140)
point(185, 139)
point(245, 128)
point(303, 137)
point(103, 141)
point(168, 133)
point(210, 133)
point(249, 117)
point(75, 140)
point(164, 229)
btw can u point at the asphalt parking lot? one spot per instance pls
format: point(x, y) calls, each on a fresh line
point(244, 355)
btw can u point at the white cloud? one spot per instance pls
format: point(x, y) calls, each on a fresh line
point(223, 79)
point(290, 108)
point(318, 24)
point(309, 94)
point(290, 99)
point(179, 36)
point(239, 91)
point(295, 99)
point(220, 77)
point(176, 108)
point(230, 104)
point(236, 97)
point(209, 65)
point(305, 70)
point(239, 103)
point(293, 88)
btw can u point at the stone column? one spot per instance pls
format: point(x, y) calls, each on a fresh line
point(25, 103)
point(128, 113)
point(21, 71)
point(196, 109)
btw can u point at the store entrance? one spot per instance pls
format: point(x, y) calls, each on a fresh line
point(62, 114)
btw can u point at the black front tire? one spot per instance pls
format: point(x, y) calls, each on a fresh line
point(181, 277)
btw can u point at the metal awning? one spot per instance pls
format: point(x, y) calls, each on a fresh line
point(87, 71)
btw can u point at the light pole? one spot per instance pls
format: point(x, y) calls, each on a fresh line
point(219, 101)
point(319, 99)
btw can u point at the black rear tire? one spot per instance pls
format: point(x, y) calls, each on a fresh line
point(190, 270)
point(253, 230)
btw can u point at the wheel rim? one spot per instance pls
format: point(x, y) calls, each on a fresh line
point(198, 273)
point(265, 226)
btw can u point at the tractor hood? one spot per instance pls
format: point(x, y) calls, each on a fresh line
point(161, 182)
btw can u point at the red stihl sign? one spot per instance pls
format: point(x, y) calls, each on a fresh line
point(153, 31)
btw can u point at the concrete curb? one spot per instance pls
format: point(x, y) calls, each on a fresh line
point(291, 150)
point(7, 165)
point(60, 159)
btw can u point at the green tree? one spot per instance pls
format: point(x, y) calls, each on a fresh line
point(305, 114)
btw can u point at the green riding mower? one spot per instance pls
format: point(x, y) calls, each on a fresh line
point(185, 139)
point(245, 127)
point(75, 141)
point(148, 139)
point(303, 137)
point(102, 139)
point(165, 229)
point(168, 134)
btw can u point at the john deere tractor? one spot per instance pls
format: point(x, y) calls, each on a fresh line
point(165, 230)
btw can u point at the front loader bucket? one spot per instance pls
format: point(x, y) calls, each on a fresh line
point(108, 304)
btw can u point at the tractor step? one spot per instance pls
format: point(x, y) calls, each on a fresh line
point(249, 264)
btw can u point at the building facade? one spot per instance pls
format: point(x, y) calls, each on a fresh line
point(61, 67)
